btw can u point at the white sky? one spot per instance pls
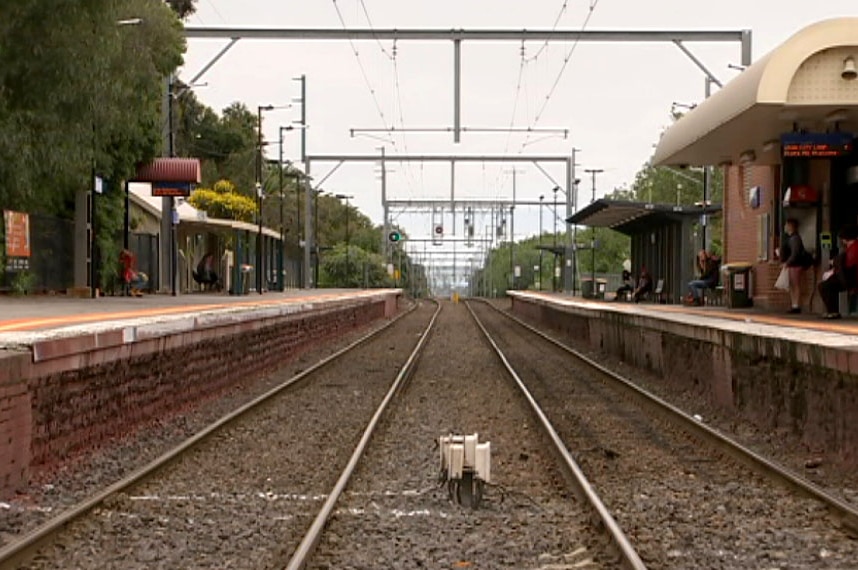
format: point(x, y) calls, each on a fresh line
point(614, 98)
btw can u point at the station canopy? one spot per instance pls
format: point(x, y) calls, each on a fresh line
point(635, 217)
point(802, 84)
point(177, 170)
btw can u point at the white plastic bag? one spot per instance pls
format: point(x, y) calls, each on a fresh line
point(783, 280)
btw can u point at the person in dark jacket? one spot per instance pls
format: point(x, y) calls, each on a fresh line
point(644, 285)
point(627, 287)
point(707, 266)
point(844, 275)
point(795, 258)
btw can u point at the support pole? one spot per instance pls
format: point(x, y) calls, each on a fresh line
point(512, 231)
point(384, 242)
point(308, 232)
point(281, 285)
point(453, 195)
point(571, 260)
point(457, 91)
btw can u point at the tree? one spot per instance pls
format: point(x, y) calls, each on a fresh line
point(183, 8)
point(71, 59)
point(222, 201)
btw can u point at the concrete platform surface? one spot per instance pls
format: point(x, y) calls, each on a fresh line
point(803, 328)
point(27, 321)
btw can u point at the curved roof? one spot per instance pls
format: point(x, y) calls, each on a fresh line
point(179, 170)
point(798, 82)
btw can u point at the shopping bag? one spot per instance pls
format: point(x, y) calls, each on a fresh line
point(783, 280)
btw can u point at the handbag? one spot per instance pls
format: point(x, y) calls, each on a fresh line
point(783, 280)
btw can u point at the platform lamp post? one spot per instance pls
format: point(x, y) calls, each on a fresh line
point(554, 245)
point(593, 172)
point(348, 253)
point(541, 252)
point(259, 144)
point(318, 192)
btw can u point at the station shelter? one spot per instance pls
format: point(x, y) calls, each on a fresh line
point(232, 243)
point(663, 238)
point(784, 131)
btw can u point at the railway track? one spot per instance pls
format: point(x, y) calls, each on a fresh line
point(686, 495)
point(394, 513)
point(232, 495)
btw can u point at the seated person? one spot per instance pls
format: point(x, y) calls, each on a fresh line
point(708, 266)
point(205, 274)
point(627, 287)
point(135, 280)
point(644, 285)
point(844, 275)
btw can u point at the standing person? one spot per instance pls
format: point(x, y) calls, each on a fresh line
point(707, 266)
point(844, 275)
point(795, 258)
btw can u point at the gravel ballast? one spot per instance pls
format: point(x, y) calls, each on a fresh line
point(682, 504)
point(243, 498)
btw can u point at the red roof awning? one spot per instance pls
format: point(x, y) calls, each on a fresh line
point(184, 170)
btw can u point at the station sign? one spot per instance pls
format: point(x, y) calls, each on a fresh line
point(816, 145)
point(171, 190)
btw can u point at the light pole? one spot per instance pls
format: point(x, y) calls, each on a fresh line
point(554, 245)
point(593, 172)
point(95, 183)
point(541, 252)
point(259, 269)
point(316, 234)
point(348, 253)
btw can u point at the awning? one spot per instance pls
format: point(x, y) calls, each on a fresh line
point(799, 84)
point(633, 217)
point(181, 170)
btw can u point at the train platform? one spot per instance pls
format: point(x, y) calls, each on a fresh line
point(26, 322)
point(793, 372)
point(75, 373)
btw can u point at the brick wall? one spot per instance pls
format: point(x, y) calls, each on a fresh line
point(807, 390)
point(52, 409)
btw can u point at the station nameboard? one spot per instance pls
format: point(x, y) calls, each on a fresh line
point(816, 145)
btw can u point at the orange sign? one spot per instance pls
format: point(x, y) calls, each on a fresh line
point(17, 233)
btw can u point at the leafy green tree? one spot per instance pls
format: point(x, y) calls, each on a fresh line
point(353, 267)
point(72, 59)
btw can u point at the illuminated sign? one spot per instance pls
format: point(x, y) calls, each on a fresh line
point(816, 145)
point(171, 190)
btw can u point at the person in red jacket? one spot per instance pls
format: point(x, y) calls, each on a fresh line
point(844, 275)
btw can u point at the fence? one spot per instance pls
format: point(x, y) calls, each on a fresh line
point(50, 266)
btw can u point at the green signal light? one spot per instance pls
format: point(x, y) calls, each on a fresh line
point(394, 237)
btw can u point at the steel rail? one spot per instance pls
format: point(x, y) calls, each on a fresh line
point(630, 558)
point(18, 552)
point(846, 514)
point(311, 539)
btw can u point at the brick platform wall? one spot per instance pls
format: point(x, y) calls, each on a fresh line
point(806, 390)
point(55, 408)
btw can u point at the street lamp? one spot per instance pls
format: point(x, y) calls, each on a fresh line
point(348, 253)
point(593, 172)
point(554, 246)
point(315, 244)
point(541, 252)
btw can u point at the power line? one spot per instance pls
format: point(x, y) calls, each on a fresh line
point(363, 72)
point(566, 59)
point(559, 17)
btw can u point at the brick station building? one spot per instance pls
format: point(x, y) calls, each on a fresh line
point(784, 130)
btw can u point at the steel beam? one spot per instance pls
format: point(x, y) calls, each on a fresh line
point(366, 34)
point(437, 158)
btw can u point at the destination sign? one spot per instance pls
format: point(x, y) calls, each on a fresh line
point(171, 190)
point(816, 145)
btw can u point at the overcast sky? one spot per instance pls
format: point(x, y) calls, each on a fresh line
point(615, 99)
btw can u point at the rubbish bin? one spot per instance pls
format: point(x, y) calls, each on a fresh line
point(737, 284)
point(587, 288)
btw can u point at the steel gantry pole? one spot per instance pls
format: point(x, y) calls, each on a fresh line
point(571, 261)
point(541, 251)
point(593, 172)
point(384, 241)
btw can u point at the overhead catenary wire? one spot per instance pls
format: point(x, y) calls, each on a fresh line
point(567, 57)
point(366, 79)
